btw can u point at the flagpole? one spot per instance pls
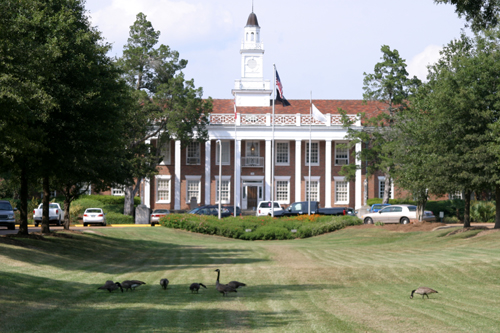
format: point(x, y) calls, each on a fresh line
point(272, 145)
point(308, 188)
point(235, 155)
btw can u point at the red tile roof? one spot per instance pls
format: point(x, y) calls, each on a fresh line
point(303, 107)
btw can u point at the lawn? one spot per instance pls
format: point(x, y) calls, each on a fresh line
point(352, 280)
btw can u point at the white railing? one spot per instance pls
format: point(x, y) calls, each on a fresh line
point(252, 161)
point(280, 119)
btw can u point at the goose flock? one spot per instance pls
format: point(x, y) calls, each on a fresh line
point(132, 284)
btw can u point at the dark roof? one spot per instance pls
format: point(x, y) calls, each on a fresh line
point(252, 20)
point(302, 106)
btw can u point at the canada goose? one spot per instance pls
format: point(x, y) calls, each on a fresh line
point(236, 284)
point(110, 286)
point(223, 288)
point(196, 286)
point(424, 291)
point(132, 284)
point(164, 283)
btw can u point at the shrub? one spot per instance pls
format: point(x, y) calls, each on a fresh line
point(379, 223)
point(482, 211)
point(451, 219)
point(114, 218)
point(83, 204)
point(110, 199)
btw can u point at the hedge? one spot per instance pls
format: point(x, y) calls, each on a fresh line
point(261, 227)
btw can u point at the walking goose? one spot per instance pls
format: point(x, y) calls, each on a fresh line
point(164, 283)
point(424, 291)
point(196, 287)
point(223, 288)
point(132, 284)
point(110, 286)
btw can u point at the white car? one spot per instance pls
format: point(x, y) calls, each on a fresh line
point(264, 208)
point(397, 214)
point(94, 216)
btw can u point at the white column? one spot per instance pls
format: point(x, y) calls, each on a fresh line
point(298, 168)
point(268, 170)
point(328, 173)
point(359, 183)
point(177, 190)
point(237, 172)
point(147, 192)
point(208, 163)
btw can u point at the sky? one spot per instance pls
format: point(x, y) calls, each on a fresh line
point(320, 47)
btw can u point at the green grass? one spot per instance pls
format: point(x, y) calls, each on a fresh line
point(352, 280)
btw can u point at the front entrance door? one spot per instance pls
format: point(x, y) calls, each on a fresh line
point(252, 197)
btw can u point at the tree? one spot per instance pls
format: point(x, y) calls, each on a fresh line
point(168, 106)
point(388, 89)
point(482, 14)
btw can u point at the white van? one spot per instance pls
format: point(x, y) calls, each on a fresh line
point(264, 208)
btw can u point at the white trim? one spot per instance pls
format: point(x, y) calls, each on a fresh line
point(346, 159)
point(199, 154)
point(288, 152)
point(254, 178)
point(224, 179)
point(237, 172)
point(120, 191)
point(341, 179)
point(328, 172)
point(285, 179)
point(147, 192)
point(358, 203)
point(313, 179)
point(224, 149)
point(267, 191)
point(167, 177)
point(193, 179)
point(208, 161)
point(306, 154)
point(177, 186)
point(298, 170)
point(167, 160)
point(381, 179)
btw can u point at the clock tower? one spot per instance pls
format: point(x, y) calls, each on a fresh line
point(252, 89)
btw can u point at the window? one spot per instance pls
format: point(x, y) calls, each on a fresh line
point(226, 185)
point(226, 153)
point(165, 151)
point(456, 195)
point(282, 189)
point(282, 153)
point(314, 153)
point(193, 153)
point(341, 154)
point(341, 190)
point(52, 194)
point(86, 189)
point(381, 188)
point(193, 188)
point(252, 148)
point(163, 189)
point(312, 190)
point(118, 191)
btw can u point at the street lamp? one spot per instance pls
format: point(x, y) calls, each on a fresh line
point(220, 175)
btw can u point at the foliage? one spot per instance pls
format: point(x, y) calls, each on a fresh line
point(480, 14)
point(260, 227)
point(110, 199)
point(118, 218)
point(482, 211)
point(379, 224)
point(451, 219)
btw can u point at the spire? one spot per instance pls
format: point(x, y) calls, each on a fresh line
point(252, 20)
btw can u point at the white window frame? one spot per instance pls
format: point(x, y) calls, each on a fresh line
point(346, 159)
point(287, 152)
point(169, 196)
point(456, 195)
point(197, 152)
point(166, 152)
point(314, 179)
point(224, 179)
point(118, 191)
point(337, 181)
point(381, 181)
point(282, 179)
point(193, 179)
point(306, 157)
point(226, 147)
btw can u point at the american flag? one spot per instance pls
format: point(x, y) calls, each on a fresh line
point(279, 87)
point(235, 114)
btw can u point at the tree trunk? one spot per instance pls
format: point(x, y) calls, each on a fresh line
point(23, 210)
point(387, 189)
point(467, 209)
point(45, 202)
point(130, 192)
point(67, 218)
point(421, 209)
point(497, 206)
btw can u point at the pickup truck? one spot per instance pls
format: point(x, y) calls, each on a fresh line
point(299, 208)
point(56, 214)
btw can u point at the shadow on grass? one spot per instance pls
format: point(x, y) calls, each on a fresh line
point(105, 254)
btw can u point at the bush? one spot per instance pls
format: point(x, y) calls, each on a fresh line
point(115, 218)
point(110, 199)
point(482, 211)
point(79, 206)
point(262, 227)
point(451, 219)
point(379, 223)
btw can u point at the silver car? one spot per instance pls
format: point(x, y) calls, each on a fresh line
point(94, 216)
point(397, 214)
point(157, 214)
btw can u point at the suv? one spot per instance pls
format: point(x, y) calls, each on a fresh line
point(264, 208)
point(7, 218)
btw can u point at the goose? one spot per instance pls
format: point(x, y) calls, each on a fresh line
point(424, 291)
point(196, 286)
point(236, 284)
point(132, 284)
point(223, 288)
point(110, 286)
point(164, 283)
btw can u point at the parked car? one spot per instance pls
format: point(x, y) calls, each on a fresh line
point(56, 214)
point(94, 216)
point(302, 207)
point(210, 210)
point(231, 210)
point(264, 208)
point(396, 214)
point(7, 218)
point(157, 214)
point(376, 207)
